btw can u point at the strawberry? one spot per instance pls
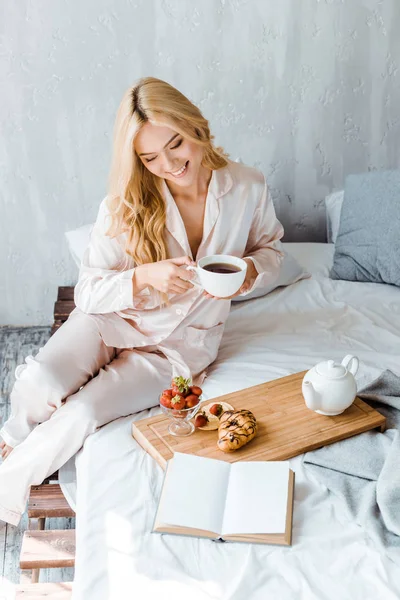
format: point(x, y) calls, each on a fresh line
point(216, 409)
point(201, 420)
point(192, 400)
point(168, 393)
point(178, 402)
point(180, 385)
point(165, 400)
point(196, 390)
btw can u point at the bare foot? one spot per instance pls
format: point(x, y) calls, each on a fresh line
point(5, 450)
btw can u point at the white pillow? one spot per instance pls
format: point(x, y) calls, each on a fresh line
point(315, 257)
point(291, 270)
point(333, 204)
point(78, 241)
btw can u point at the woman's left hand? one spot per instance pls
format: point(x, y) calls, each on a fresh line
point(251, 275)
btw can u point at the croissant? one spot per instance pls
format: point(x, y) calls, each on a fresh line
point(236, 429)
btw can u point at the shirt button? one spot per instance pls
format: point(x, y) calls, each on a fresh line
point(178, 311)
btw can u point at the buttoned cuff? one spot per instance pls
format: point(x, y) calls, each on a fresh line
point(263, 278)
point(129, 298)
point(126, 289)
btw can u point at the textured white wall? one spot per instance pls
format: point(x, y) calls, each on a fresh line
point(307, 90)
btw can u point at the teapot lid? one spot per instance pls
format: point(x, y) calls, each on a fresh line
point(330, 369)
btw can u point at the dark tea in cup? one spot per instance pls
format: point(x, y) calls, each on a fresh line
point(222, 268)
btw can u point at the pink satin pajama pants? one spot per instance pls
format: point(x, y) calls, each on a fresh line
point(74, 385)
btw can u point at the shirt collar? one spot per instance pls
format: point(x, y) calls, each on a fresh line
point(220, 183)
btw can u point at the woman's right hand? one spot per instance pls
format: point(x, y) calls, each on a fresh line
point(167, 276)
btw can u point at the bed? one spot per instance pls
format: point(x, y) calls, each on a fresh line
point(118, 484)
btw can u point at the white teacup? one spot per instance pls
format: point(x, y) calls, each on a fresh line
point(225, 280)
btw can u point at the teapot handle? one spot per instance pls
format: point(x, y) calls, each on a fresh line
point(351, 363)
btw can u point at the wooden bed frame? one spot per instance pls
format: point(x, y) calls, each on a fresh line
point(51, 548)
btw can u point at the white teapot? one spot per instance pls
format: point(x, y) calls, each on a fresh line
point(329, 387)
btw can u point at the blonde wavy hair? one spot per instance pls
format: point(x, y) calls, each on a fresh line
point(135, 198)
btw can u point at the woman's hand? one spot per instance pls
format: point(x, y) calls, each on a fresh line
point(251, 275)
point(166, 276)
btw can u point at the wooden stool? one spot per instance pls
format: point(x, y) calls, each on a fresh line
point(45, 501)
point(63, 307)
point(52, 549)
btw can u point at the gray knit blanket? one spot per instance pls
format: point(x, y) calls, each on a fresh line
point(365, 469)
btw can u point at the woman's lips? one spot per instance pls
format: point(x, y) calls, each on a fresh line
point(180, 172)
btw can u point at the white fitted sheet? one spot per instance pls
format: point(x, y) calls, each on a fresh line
point(118, 484)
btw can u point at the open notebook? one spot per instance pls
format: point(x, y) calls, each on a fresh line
point(241, 501)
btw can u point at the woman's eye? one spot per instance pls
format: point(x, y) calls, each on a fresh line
point(171, 147)
point(176, 145)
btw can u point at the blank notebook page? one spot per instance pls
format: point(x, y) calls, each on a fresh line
point(194, 492)
point(257, 498)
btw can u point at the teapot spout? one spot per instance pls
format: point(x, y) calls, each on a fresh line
point(311, 396)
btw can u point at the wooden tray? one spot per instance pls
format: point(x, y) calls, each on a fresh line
point(286, 427)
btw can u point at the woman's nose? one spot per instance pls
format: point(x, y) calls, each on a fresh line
point(169, 164)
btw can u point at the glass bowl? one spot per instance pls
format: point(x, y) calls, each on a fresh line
point(180, 424)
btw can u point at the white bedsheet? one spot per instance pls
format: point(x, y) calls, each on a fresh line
point(119, 484)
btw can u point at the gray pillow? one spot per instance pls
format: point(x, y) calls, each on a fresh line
point(368, 243)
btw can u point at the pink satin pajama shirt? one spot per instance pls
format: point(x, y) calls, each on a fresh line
point(118, 351)
point(239, 220)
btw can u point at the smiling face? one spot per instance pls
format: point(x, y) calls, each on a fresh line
point(168, 154)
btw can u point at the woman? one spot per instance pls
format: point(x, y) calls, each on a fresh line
point(174, 197)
